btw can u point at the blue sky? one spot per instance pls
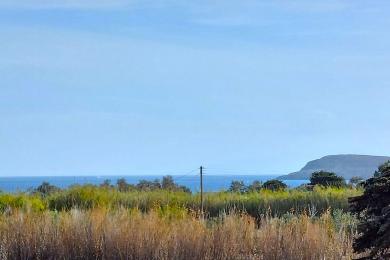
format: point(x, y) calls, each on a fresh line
point(149, 87)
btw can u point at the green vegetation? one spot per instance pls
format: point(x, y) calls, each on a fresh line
point(162, 220)
point(256, 204)
point(327, 179)
point(139, 222)
point(46, 189)
point(274, 185)
point(167, 183)
point(373, 210)
point(26, 202)
point(237, 186)
point(256, 186)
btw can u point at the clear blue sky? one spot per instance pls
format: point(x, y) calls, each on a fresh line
point(140, 87)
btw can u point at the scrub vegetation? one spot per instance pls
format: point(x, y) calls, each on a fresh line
point(173, 233)
point(255, 204)
point(162, 220)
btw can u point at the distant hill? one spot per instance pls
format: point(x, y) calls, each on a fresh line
point(346, 165)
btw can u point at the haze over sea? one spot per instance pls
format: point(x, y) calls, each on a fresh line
point(211, 182)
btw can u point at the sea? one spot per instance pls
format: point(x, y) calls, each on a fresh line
point(211, 183)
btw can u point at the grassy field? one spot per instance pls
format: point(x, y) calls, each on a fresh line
point(88, 222)
point(255, 204)
point(130, 234)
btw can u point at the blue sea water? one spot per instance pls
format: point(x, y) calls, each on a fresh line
point(210, 182)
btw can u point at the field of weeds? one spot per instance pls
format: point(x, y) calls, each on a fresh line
point(130, 234)
point(89, 222)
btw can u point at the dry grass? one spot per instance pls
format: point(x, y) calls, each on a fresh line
point(129, 234)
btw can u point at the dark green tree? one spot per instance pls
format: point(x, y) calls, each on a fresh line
point(237, 186)
point(373, 211)
point(156, 184)
point(255, 186)
point(46, 189)
point(327, 179)
point(123, 186)
point(106, 184)
point(274, 185)
point(168, 183)
point(145, 185)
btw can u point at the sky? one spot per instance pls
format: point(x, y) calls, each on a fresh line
point(116, 87)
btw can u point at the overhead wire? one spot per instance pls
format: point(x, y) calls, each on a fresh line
point(184, 175)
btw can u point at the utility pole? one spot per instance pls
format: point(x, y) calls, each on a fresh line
point(201, 190)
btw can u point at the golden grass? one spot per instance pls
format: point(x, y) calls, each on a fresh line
point(129, 234)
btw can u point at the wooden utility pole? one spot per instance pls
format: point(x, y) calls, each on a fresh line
point(201, 190)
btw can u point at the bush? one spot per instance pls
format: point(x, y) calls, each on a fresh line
point(46, 189)
point(327, 179)
point(237, 186)
point(373, 209)
point(9, 202)
point(274, 185)
point(255, 186)
point(85, 197)
point(256, 204)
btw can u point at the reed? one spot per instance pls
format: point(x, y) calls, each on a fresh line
point(130, 234)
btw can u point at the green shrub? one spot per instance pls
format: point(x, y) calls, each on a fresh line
point(9, 201)
point(257, 203)
point(327, 179)
point(274, 185)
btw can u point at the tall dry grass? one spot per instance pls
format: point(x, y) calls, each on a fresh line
point(130, 234)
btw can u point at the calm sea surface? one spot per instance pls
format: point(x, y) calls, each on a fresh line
point(210, 182)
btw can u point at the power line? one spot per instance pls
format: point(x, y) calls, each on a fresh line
point(184, 175)
point(235, 171)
